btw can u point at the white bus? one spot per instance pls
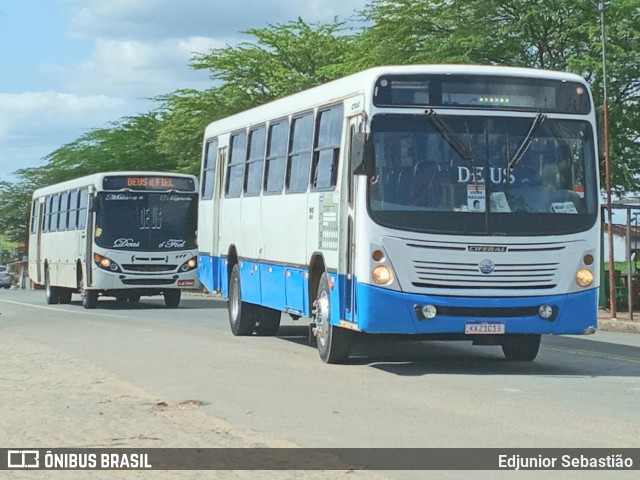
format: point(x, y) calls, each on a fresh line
point(449, 202)
point(118, 234)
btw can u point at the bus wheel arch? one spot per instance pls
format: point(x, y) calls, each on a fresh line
point(334, 343)
point(316, 269)
point(232, 260)
point(79, 276)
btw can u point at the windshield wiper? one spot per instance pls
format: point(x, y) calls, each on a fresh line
point(526, 142)
point(450, 136)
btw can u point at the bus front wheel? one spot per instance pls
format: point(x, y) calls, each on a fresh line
point(172, 298)
point(521, 348)
point(90, 299)
point(242, 315)
point(334, 343)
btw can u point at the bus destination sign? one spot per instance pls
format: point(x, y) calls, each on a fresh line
point(147, 182)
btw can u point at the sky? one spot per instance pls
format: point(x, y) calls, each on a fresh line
point(70, 66)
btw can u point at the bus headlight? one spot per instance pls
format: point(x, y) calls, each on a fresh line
point(105, 263)
point(584, 277)
point(189, 265)
point(382, 274)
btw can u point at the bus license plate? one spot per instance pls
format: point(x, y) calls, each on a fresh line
point(186, 283)
point(484, 328)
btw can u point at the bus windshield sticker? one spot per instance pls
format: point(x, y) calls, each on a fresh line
point(499, 202)
point(564, 207)
point(476, 200)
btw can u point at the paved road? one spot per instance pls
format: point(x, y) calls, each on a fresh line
point(580, 392)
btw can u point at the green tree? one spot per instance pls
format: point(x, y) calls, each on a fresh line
point(283, 59)
point(15, 205)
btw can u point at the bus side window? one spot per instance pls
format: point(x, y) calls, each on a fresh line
point(35, 216)
point(73, 210)
point(327, 150)
point(235, 168)
point(47, 214)
point(55, 213)
point(299, 161)
point(255, 161)
point(83, 202)
point(209, 169)
point(64, 211)
point(276, 157)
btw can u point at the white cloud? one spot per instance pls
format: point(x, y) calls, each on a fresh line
point(33, 112)
point(142, 49)
point(34, 124)
point(147, 19)
point(138, 69)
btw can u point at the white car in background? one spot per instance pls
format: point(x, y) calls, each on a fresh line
point(6, 279)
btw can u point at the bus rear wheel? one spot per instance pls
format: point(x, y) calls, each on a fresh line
point(334, 343)
point(64, 295)
point(268, 321)
point(171, 298)
point(521, 348)
point(242, 315)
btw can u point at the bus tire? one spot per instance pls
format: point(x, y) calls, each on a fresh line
point(334, 343)
point(90, 299)
point(242, 315)
point(64, 295)
point(172, 298)
point(268, 321)
point(51, 293)
point(521, 348)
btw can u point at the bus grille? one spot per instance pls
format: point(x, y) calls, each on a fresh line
point(149, 281)
point(149, 268)
point(476, 266)
point(441, 274)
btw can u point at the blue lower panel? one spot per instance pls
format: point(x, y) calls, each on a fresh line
point(273, 286)
point(250, 282)
point(385, 311)
point(209, 272)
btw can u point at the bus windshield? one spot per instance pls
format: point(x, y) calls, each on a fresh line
point(146, 221)
point(483, 174)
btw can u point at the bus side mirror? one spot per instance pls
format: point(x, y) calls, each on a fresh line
point(362, 161)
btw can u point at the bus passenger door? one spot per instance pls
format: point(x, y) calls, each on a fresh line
point(86, 214)
point(39, 277)
point(208, 216)
point(355, 124)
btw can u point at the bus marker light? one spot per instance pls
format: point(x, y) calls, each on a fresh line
point(588, 259)
point(377, 255)
point(584, 277)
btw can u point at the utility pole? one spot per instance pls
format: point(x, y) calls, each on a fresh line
point(607, 168)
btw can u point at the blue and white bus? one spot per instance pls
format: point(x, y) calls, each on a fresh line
point(451, 202)
point(115, 234)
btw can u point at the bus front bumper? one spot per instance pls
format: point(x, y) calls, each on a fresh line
point(385, 311)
